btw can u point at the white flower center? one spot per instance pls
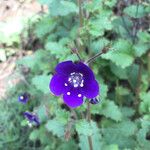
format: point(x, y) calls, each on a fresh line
point(68, 93)
point(21, 97)
point(79, 95)
point(76, 79)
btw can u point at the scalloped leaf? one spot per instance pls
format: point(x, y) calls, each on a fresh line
point(57, 128)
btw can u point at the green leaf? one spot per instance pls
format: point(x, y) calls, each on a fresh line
point(110, 3)
point(126, 128)
point(96, 5)
point(127, 111)
point(100, 24)
point(122, 91)
point(135, 11)
point(98, 45)
point(45, 1)
point(121, 54)
point(62, 115)
point(141, 136)
point(37, 62)
point(110, 110)
point(111, 147)
point(68, 145)
point(86, 129)
point(97, 141)
point(141, 48)
point(145, 104)
point(142, 133)
point(143, 36)
point(41, 112)
point(41, 82)
point(45, 26)
point(118, 71)
point(83, 142)
point(62, 8)
point(118, 58)
point(133, 75)
point(95, 30)
point(56, 127)
point(57, 49)
point(103, 94)
point(29, 61)
point(34, 135)
point(118, 23)
point(121, 134)
point(145, 96)
point(104, 90)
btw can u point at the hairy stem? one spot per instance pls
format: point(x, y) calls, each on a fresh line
point(75, 51)
point(136, 24)
point(71, 121)
point(89, 120)
point(148, 66)
point(137, 90)
point(80, 13)
point(78, 56)
point(97, 55)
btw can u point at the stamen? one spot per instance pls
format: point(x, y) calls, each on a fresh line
point(79, 95)
point(75, 85)
point(21, 97)
point(66, 84)
point(76, 79)
point(68, 93)
point(81, 85)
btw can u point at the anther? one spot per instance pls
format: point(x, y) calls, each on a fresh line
point(79, 95)
point(68, 93)
point(76, 79)
point(66, 84)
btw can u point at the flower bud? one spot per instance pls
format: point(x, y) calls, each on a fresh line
point(94, 100)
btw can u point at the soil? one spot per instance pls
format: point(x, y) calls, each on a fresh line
point(11, 10)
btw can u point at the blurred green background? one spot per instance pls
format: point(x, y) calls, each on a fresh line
point(35, 35)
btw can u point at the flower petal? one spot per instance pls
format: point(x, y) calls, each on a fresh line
point(32, 118)
point(57, 84)
point(91, 89)
point(23, 98)
point(85, 70)
point(65, 67)
point(73, 98)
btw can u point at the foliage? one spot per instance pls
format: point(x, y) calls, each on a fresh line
point(121, 121)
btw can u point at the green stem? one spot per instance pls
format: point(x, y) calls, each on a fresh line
point(71, 121)
point(75, 51)
point(149, 66)
point(97, 55)
point(136, 23)
point(80, 13)
point(78, 56)
point(89, 120)
point(80, 46)
point(137, 90)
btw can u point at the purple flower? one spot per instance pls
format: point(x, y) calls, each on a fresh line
point(75, 81)
point(23, 98)
point(94, 100)
point(32, 118)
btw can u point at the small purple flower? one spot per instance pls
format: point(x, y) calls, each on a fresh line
point(32, 118)
point(23, 98)
point(94, 100)
point(75, 81)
